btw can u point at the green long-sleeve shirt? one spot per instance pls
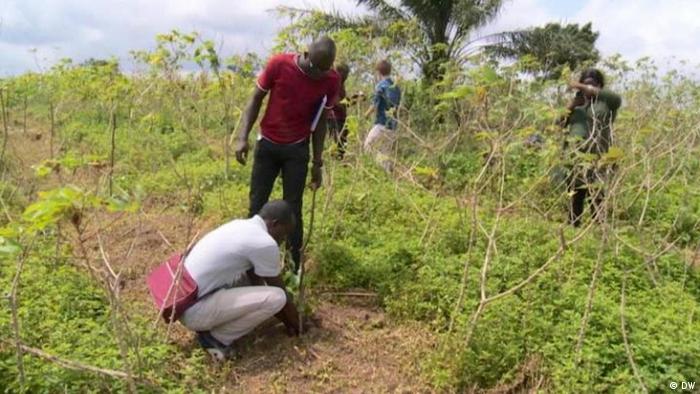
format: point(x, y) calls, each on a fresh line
point(592, 122)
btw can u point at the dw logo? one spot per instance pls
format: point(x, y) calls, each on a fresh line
point(683, 386)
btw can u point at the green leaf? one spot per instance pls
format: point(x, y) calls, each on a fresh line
point(426, 171)
point(41, 170)
point(458, 93)
point(9, 246)
point(613, 155)
point(116, 204)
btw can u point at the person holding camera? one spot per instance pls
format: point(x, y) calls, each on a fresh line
point(592, 113)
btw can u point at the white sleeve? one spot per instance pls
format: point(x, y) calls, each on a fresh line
point(265, 261)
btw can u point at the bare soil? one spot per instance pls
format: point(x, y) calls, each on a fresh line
point(353, 349)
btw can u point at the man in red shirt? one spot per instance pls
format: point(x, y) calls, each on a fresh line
point(301, 87)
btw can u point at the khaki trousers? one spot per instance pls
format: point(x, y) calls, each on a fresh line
point(228, 314)
point(384, 138)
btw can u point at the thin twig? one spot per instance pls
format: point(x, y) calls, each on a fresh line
point(302, 295)
point(78, 366)
point(591, 294)
point(628, 349)
point(113, 142)
point(351, 294)
point(15, 318)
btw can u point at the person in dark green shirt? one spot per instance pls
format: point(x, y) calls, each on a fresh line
point(591, 116)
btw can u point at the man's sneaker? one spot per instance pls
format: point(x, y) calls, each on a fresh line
point(216, 349)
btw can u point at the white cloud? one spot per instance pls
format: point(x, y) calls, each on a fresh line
point(666, 30)
point(92, 28)
point(519, 14)
point(638, 28)
point(81, 29)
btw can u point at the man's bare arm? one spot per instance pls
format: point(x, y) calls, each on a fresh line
point(590, 90)
point(249, 117)
point(289, 314)
point(317, 140)
point(318, 137)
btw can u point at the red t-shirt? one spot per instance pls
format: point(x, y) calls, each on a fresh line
point(295, 99)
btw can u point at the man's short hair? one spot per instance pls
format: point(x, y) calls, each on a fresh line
point(595, 74)
point(279, 211)
point(342, 69)
point(323, 51)
point(384, 67)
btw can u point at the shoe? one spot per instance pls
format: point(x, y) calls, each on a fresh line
point(217, 350)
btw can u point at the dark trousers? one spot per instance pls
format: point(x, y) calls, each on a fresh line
point(340, 135)
point(578, 202)
point(292, 160)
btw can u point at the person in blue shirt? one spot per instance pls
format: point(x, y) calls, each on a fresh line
point(386, 99)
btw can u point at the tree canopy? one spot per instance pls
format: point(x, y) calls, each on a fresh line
point(431, 32)
point(552, 47)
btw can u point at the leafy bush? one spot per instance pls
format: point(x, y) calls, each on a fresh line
point(464, 237)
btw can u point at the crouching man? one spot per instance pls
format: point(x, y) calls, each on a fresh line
point(223, 313)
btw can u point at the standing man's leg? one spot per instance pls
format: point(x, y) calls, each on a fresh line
point(597, 194)
point(597, 209)
point(342, 138)
point(266, 166)
point(374, 134)
point(577, 204)
point(332, 124)
point(294, 169)
point(387, 150)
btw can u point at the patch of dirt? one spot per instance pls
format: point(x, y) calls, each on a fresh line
point(354, 349)
point(26, 150)
point(694, 259)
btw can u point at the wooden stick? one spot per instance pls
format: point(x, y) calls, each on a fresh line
point(78, 366)
point(352, 294)
point(301, 265)
point(53, 127)
point(623, 328)
point(24, 124)
point(113, 132)
point(6, 129)
point(15, 318)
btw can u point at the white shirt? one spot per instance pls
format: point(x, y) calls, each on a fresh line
point(226, 253)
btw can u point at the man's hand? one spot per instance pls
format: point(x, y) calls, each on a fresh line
point(316, 176)
point(311, 321)
point(577, 101)
point(242, 149)
point(588, 90)
point(249, 116)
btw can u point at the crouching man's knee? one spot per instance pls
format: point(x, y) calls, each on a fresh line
point(276, 299)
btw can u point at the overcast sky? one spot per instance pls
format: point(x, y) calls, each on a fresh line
point(665, 30)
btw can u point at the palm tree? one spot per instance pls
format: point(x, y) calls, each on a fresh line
point(433, 32)
point(553, 46)
point(444, 27)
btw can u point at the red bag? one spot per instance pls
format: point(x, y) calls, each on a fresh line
point(167, 296)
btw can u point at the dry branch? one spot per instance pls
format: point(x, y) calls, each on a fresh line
point(591, 294)
point(78, 366)
point(628, 349)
